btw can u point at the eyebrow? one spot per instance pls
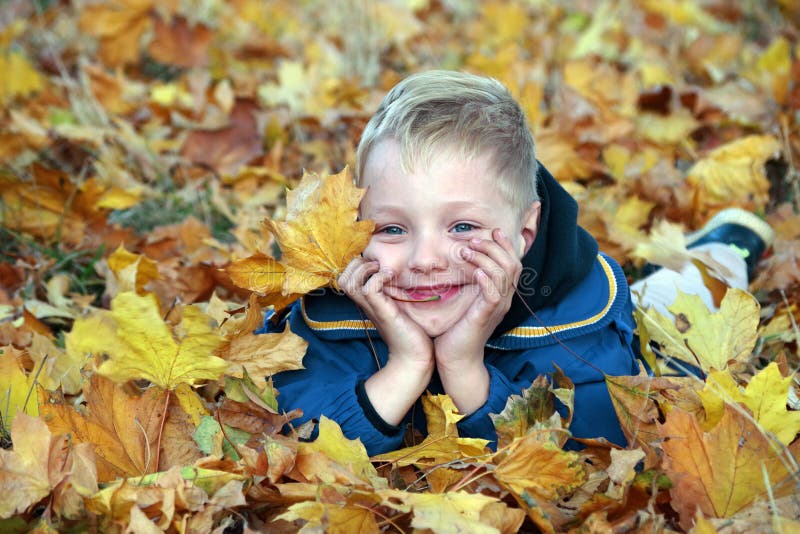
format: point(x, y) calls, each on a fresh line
point(391, 209)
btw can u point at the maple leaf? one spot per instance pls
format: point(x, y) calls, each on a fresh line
point(119, 25)
point(332, 457)
point(722, 470)
point(537, 473)
point(699, 337)
point(122, 429)
point(133, 271)
point(445, 513)
point(639, 400)
point(334, 518)
point(39, 463)
point(319, 237)
point(442, 443)
point(766, 395)
point(140, 344)
point(260, 354)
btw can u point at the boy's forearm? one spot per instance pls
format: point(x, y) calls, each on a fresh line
point(467, 385)
point(396, 387)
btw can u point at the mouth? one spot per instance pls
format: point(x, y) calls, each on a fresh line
point(430, 294)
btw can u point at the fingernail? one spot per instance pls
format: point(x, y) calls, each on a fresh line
point(466, 253)
point(475, 240)
point(501, 234)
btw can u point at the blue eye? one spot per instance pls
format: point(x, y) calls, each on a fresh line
point(392, 230)
point(463, 227)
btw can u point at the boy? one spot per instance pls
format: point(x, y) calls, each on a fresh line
point(464, 214)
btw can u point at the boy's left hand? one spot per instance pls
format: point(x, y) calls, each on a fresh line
point(460, 350)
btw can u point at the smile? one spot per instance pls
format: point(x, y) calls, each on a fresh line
point(432, 294)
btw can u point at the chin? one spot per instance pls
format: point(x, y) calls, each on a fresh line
point(436, 319)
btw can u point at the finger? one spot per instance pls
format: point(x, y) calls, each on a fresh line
point(498, 252)
point(503, 273)
point(356, 275)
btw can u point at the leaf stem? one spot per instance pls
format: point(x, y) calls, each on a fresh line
point(161, 429)
point(428, 299)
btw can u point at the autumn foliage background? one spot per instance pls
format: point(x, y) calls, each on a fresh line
point(144, 143)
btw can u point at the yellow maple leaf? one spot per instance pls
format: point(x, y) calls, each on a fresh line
point(318, 238)
point(130, 267)
point(19, 76)
point(538, 469)
point(140, 344)
point(333, 518)
point(16, 388)
point(442, 443)
point(766, 396)
point(733, 174)
point(333, 457)
point(700, 337)
point(720, 471)
point(450, 512)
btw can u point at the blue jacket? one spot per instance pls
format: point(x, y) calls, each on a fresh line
point(594, 321)
point(581, 301)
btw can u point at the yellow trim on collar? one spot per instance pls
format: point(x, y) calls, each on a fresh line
point(540, 331)
point(520, 331)
point(349, 324)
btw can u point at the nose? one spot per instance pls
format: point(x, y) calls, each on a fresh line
point(429, 254)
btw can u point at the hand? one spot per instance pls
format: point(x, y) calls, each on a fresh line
point(394, 388)
point(459, 351)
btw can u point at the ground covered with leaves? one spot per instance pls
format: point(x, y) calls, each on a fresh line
point(146, 149)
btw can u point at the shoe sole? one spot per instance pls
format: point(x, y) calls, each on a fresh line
point(739, 217)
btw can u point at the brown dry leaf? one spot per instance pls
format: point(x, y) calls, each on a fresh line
point(227, 149)
point(41, 463)
point(122, 429)
point(264, 354)
point(637, 400)
point(319, 237)
point(119, 24)
point(50, 205)
point(179, 43)
point(723, 470)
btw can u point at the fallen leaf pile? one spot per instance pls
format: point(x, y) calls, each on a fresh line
point(171, 170)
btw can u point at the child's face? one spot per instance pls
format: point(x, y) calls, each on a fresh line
point(422, 221)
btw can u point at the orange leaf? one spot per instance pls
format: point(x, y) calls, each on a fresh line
point(122, 429)
point(723, 470)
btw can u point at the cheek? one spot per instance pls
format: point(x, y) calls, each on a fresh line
point(385, 254)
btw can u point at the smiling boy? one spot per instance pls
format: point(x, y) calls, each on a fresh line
point(464, 214)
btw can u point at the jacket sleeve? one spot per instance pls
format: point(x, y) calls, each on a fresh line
point(328, 386)
point(607, 351)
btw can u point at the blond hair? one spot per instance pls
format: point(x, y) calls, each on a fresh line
point(435, 111)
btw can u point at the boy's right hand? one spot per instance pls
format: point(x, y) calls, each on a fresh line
point(363, 281)
point(394, 388)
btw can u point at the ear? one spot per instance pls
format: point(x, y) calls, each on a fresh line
point(530, 225)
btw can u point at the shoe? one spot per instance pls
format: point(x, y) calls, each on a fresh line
point(743, 231)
